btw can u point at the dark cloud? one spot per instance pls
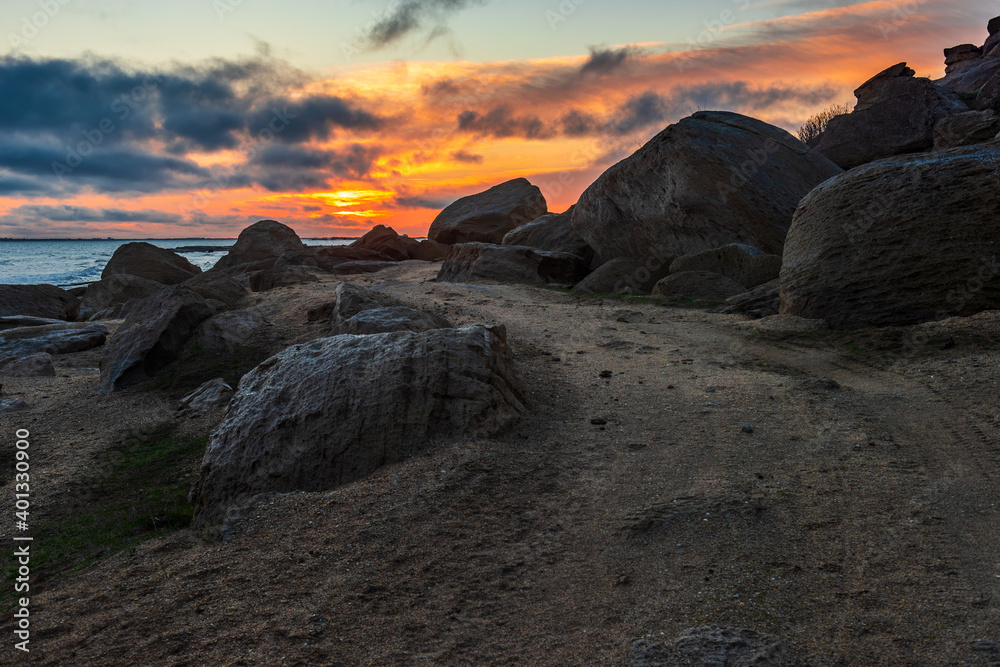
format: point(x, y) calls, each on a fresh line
point(641, 111)
point(467, 157)
point(576, 123)
point(605, 60)
point(88, 214)
point(411, 16)
point(421, 202)
point(282, 167)
point(501, 123)
point(312, 118)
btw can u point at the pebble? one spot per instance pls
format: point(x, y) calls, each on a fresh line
point(598, 421)
point(606, 374)
point(747, 428)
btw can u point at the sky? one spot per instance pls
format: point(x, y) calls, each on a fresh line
point(196, 118)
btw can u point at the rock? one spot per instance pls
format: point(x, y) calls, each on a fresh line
point(13, 405)
point(38, 364)
point(216, 286)
point(993, 26)
point(745, 264)
point(487, 216)
point(386, 241)
point(152, 336)
point(959, 54)
point(969, 77)
point(46, 301)
point(150, 262)
point(355, 268)
point(113, 292)
point(711, 179)
point(472, 262)
point(988, 98)
point(265, 281)
point(430, 251)
point(624, 275)
point(213, 395)
point(224, 332)
point(787, 324)
point(761, 301)
point(261, 241)
point(330, 257)
point(362, 311)
point(328, 412)
point(966, 129)
point(19, 343)
point(711, 645)
point(18, 321)
point(896, 114)
point(818, 385)
point(898, 242)
point(698, 284)
point(552, 232)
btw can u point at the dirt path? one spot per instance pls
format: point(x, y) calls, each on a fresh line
point(859, 523)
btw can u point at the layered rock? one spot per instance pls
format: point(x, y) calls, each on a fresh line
point(288, 276)
point(17, 344)
point(152, 336)
point(362, 311)
point(762, 301)
point(216, 286)
point(896, 114)
point(745, 264)
point(225, 332)
point(150, 262)
point(212, 395)
point(295, 425)
point(486, 217)
point(263, 243)
point(46, 301)
point(899, 241)
point(473, 262)
point(711, 179)
point(698, 284)
point(552, 232)
point(106, 298)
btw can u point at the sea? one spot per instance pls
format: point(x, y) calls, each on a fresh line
point(69, 262)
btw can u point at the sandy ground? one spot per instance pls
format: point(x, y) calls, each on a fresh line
point(859, 523)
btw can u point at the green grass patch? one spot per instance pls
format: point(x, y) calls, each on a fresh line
point(139, 493)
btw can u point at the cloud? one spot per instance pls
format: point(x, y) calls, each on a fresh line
point(466, 157)
point(66, 213)
point(411, 16)
point(603, 60)
point(280, 167)
point(501, 124)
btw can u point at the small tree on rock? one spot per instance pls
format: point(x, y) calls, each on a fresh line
point(815, 126)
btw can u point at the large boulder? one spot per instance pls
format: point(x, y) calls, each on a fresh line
point(34, 365)
point(328, 412)
point(744, 264)
point(896, 114)
point(386, 241)
point(46, 301)
point(699, 285)
point(113, 292)
point(966, 129)
point(711, 179)
point(148, 261)
point(624, 275)
point(429, 251)
point(969, 76)
point(473, 262)
point(289, 276)
point(552, 232)
point(17, 344)
point(263, 241)
point(487, 216)
point(898, 241)
point(18, 321)
point(225, 332)
point(153, 335)
point(217, 286)
point(362, 311)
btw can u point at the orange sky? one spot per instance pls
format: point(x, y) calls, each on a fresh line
point(422, 157)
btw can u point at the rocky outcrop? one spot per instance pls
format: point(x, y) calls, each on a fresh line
point(966, 129)
point(711, 179)
point(624, 275)
point(150, 262)
point(152, 336)
point(473, 262)
point(698, 284)
point(105, 298)
point(430, 251)
point(745, 264)
point(362, 311)
point(385, 240)
point(217, 286)
point(19, 343)
point(38, 364)
point(898, 241)
point(296, 425)
point(711, 645)
point(896, 114)
point(487, 216)
point(552, 232)
point(212, 395)
point(263, 241)
point(46, 301)
point(762, 301)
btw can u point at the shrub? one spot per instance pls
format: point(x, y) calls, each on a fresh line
point(814, 127)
